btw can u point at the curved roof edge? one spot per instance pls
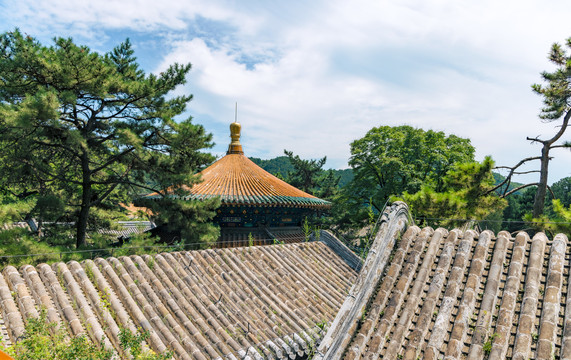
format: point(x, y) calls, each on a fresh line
point(393, 221)
point(238, 181)
point(254, 200)
point(455, 294)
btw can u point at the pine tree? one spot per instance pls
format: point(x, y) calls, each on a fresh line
point(465, 195)
point(89, 129)
point(557, 99)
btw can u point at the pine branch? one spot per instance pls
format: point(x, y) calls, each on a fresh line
point(511, 173)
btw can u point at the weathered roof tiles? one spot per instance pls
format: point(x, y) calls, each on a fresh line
point(461, 295)
point(242, 303)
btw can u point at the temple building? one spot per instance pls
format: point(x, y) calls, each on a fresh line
point(255, 204)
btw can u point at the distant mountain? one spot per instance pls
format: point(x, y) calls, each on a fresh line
point(498, 178)
point(346, 176)
point(282, 165)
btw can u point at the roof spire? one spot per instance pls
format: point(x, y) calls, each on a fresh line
point(235, 147)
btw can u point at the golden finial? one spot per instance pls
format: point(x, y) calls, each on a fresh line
point(235, 147)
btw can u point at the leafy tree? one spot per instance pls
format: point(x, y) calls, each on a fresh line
point(562, 191)
point(389, 161)
point(82, 130)
point(518, 206)
point(174, 215)
point(466, 195)
point(558, 221)
point(309, 176)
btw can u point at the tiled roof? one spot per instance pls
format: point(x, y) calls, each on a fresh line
point(239, 181)
point(457, 295)
point(241, 303)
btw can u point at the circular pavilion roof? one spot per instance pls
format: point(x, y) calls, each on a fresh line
point(237, 180)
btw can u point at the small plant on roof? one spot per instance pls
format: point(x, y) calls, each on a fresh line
point(321, 324)
point(250, 239)
point(317, 233)
point(306, 229)
point(132, 343)
point(151, 262)
point(43, 341)
point(487, 347)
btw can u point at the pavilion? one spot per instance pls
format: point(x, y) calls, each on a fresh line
point(255, 205)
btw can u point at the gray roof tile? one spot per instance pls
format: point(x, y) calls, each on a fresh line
point(459, 295)
point(242, 303)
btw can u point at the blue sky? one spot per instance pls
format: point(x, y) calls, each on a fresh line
point(311, 77)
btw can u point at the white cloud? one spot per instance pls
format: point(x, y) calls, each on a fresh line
point(312, 77)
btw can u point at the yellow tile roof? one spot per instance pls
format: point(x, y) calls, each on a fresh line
point(238, 180)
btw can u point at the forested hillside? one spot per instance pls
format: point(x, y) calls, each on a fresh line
point(281, 165)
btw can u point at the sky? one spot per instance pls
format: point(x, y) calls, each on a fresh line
point(313, 76)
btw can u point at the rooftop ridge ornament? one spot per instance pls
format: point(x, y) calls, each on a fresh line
point(235, 147)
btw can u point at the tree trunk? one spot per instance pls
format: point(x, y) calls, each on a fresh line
point(81, 225)
point(539, 201)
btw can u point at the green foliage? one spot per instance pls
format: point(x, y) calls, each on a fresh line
point(562, 190)
point(556, 94)
point(49, 341)
point(81, 131)
point(250, 240)
point(466, 195)
point(498, 178)
point(317, 232)
point(281, 166)
point(518, 206)
point(487, 347)
point(306, 229)
point(309, 176)
point(44, 341)
point(389, 161)
point(14, 211)
point(189, 218)
point(20, 242)
point(392, 160)
point(132, 343)
point(559, 222)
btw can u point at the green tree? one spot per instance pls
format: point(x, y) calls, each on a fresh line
point(309, 176)
point(557, 107)
point(465, 195)
point(562, 190)
point(86, 129)
point(518, 206)
point(558, 221)
point(388, 161)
